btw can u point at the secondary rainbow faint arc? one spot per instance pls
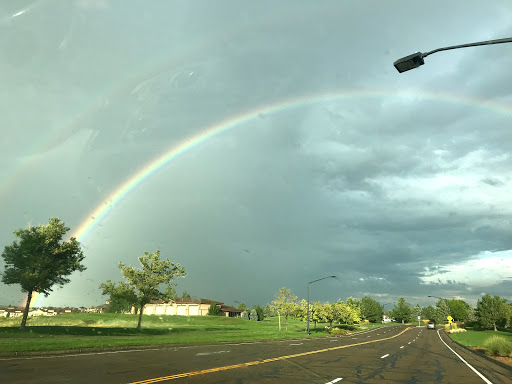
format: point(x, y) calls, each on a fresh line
point(115, 197)
point(231, 122)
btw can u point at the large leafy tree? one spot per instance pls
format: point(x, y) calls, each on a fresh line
point(401, 311)
point(146, 280)
point(459, 309)
point(285, 303)
point(40, 259)
point(371, 310)
point(491, 311)
point(122, 296)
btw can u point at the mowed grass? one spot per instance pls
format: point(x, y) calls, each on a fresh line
point(78, 331)
point(484, 339)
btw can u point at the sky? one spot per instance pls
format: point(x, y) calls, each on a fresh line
point(263, 145)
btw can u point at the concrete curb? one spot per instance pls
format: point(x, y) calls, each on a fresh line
point(501, 364)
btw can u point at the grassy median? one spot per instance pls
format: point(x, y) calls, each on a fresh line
point(108, 331)
point(496, 343)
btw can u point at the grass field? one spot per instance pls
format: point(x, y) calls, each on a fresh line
point(484, 339)
point(108, 331)
point(477, 338)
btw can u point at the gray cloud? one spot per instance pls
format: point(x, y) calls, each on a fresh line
point(382, 188)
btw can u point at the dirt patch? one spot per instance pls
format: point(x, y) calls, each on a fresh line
point(506, 360)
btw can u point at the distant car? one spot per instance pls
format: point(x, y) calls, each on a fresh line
point(431, 325)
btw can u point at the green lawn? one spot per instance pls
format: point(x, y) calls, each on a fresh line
point(104, 331)
point(473, 338)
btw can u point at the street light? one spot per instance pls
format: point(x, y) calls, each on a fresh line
point(311, 282)
point(416, 59)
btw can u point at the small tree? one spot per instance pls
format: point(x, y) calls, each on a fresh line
point(254, 315)
point(41, 259)
point(214, 309)
point(185, 295)
point(241, 306)
point(245, 315)
point(285, 303)
point(146, 280)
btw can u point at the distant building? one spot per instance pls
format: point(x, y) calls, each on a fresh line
point(187, 307)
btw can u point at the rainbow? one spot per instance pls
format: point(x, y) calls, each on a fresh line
point(113, 200)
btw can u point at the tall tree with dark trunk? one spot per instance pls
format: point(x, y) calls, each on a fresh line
point(40, 259)
point(146, 280)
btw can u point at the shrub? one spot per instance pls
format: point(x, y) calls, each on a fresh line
point(335, 331)
point(498, 346)
point(254, 315)
point(260, 312)
point(456, 330)
point(214, 310)
point(245, 315)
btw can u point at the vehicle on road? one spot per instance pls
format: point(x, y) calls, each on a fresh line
point(431, 325)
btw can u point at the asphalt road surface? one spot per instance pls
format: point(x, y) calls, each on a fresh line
point(397, 354)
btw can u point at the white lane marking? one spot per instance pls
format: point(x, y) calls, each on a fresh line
point(382, 357)
point(409, 342)
point(333, 340)
point(297, 344)
point(210, 353)
point(354, 338)
point(464, 361)
point(335, 380)
point(80, 354)
point(367, 336)
point(401, 347)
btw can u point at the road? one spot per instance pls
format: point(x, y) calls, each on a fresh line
point(397, 354)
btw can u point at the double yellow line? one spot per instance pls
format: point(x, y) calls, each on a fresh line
point(251, 363)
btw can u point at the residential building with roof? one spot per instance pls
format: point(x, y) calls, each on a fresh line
point(188, 307)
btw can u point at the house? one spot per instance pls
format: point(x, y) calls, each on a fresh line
point(187, 307)
point(11, 311)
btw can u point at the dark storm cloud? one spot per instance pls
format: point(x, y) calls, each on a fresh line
point(389, 192)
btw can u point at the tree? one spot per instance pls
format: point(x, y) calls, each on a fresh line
point(428, 313)
point(371, 310)
point(459, 309)
point(254, 315)
point(416, 311)
point(401, 311)
point(122, 296)
point(245, 315)
point(285, 303)
point(146, 280)
point(268, 311)
point(241, 306)
point(214, 309)
point(491, 311)
point(260, 312)
point(347, 314)
point(185, 295)
point(442, 311)
point(169, 293)
point(41, 259)
point(353, 303)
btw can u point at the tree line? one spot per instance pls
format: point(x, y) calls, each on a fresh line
point(40, 259)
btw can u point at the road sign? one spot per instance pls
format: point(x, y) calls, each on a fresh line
point(449, 318)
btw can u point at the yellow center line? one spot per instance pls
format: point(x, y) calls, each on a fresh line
point(251, 363)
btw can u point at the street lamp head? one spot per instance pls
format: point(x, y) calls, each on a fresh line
point(409, 62)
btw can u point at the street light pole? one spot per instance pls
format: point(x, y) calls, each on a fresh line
point(311, 282)
point(416, 59)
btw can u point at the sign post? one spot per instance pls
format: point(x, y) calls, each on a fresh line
point(449, 318)
point(419, 317)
